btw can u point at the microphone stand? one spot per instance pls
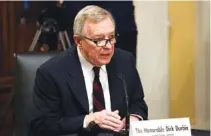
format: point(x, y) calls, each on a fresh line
point(127, 118)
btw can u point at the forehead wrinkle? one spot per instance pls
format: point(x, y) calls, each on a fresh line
point(93, 28)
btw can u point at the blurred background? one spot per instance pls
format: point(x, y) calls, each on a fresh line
point(169, 39)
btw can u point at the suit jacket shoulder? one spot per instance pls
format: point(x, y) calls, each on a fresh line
point(122, 60)
point(63, 62)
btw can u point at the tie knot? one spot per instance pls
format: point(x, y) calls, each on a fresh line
point(96, 71)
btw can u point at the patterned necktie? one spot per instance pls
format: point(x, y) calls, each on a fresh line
point(98, 97)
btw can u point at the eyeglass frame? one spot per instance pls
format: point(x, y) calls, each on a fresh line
point(106, 40)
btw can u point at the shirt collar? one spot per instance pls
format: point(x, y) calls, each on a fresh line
point(86, 65)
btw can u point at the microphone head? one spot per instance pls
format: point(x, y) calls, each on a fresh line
point(121, 76)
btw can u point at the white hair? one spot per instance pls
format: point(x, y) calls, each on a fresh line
point(93, 13)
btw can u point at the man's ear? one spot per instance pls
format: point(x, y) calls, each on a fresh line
point(77, 40)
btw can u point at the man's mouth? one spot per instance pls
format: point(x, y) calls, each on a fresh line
point(105, 55)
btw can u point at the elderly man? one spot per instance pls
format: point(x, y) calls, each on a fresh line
point(84, 85)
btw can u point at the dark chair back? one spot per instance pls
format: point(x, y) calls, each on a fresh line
point(25, 71)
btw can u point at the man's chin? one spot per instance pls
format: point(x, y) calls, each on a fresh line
point(105, 62)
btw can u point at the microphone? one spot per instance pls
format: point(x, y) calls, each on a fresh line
point(127, 119)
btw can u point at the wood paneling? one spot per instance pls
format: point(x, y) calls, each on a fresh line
point(8, 34)
point(5, 41)
point(15, 36)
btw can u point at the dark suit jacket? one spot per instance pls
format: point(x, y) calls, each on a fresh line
point(61, 99)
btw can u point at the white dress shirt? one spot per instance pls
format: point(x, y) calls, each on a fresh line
point(89, 77)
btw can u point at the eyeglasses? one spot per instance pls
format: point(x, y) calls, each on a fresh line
point(103, 42)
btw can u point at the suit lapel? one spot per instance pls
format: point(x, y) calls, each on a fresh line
point(115, 85)
point(76, 79)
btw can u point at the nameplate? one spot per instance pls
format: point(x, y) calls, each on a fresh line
point(162, 127)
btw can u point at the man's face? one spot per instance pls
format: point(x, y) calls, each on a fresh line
point(98, 31)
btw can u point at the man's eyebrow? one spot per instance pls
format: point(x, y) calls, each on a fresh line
point(99, 35)
point(102, 35)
